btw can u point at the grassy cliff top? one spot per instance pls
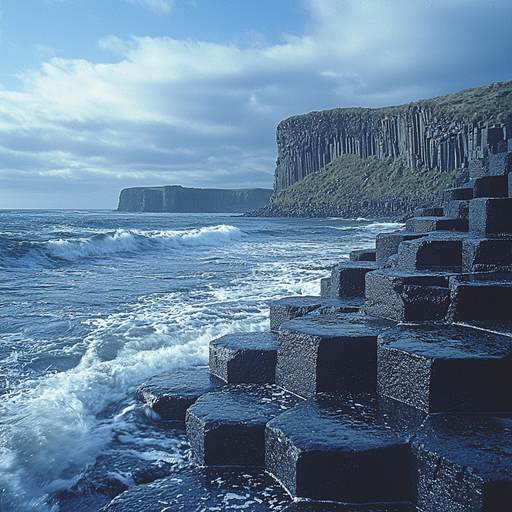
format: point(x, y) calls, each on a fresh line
point(350, 178)
point(490, 104)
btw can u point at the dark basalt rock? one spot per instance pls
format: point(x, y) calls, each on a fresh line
point(427, 224)
point(202, 489)
point(445, 368)
point(325, 506)
point(338, 450)
point(289, 308)
point(500, 163)
point(457, 194)
point(491, 186)
point(226, 428)
point(387, 244)
point(481, 297)
point(463, 462)
point(429, 212)
point(347, 279)
point(248, 357)
point(430, 253)
point(490, 216)
point(487, 254)
point(172, 393)
point(407, 296)
point(333, 353)
point(457, 209)
point(362, 255)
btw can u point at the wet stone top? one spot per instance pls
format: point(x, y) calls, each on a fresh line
point(249, 404)
point(332, 423)
point(417, 277)
point(447, 342)
point(478, 441)
point(338, 326)
point(484, 278)
point(265, 341)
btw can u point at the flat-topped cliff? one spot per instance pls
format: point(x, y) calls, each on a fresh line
point(178, 199)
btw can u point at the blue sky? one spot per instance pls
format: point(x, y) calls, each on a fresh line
point(99, 95)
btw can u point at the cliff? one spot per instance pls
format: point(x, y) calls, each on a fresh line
point(442, 133)
point(178, 199)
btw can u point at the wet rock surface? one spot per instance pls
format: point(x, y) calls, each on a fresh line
point(316, 506)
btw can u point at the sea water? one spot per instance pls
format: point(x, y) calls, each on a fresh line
point(93, 303)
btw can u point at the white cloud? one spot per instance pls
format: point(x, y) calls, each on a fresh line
point(162, 6)
point(204, 114)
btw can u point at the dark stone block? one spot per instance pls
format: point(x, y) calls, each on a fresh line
point(407, 296)
point(445, 368)
point(325, 288)
point(338, 450)
point(478, 167)
point(457, 194)
point(457, 209)
point(430, 253)
point(490, 216)
point(387, 243)
point(328, 353)
point(428, 224)
point(289, 308)
point(362, 255)
point(487, 254)
point(484, 297)
point(429, 212)
point(500, 164)
point(330, 506)
point(202, 489)
point(347, 279)
point(462, 462)
point(510, 185)
point(226, 427)
point(172, 393)
point(491, 186)
point(244, 357)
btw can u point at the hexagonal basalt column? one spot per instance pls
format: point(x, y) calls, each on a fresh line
point(326, 506)
point(386, 244)
point(347, 279)
point(487, 254)
point(427, 224)
point(462, 462)
point(289, 308)
point(337, 450)
point(407, 296)
point(430, 253)
point(226, 428)
point(248, 357)
point(328, 353)
point(490, 216)
point(172, 393)
point(445, 368)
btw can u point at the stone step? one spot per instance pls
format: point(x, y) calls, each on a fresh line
point(481, 297)
point(427, 252)
point(429, 212)
point(490, 216)
point(336, 449)
point(463, 462)
point(248, 357)
point(457, 210)
point(227, 427)
point(427, 224)
point(445, 368)
point(362, 255)
point(170, 394)
point(490, 186)
point(500, 163)
point(487, 254)
point(386, 244)
point(289, 308)
point(330, 353)
point(408, 295)
point(204, 489)
point(457, 194)
point(348, 279)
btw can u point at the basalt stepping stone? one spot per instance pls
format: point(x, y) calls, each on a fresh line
point(408, 295)
point(455, 194)
point(445, 368)
point(463, 462)
point(481, 297)
point(362, 255)
point(244, 357)
point(331, 353)
point(289, 308)
point(427, 224)
point(490, 216)
point(487, 254)
point(386, 244)
point(336, 449)
point(172, 393)
point(227, 427)
point(330, 506)
point(347, 279)
point(491, 186)
point(428, 252)
point(457, 209)
point(204, 489)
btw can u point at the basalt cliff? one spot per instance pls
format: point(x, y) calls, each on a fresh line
point(178, 199)
point(428, 143)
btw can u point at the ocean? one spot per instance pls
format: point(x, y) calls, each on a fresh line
point(93, 303)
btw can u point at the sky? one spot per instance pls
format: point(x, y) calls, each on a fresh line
point(101, 95)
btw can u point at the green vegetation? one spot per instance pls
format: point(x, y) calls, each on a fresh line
point(490, 104)
point(350, 178)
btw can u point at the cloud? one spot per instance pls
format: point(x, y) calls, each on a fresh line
point(162, 6)
point(204, 114)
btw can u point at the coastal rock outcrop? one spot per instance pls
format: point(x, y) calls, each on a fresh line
point(178, 199)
